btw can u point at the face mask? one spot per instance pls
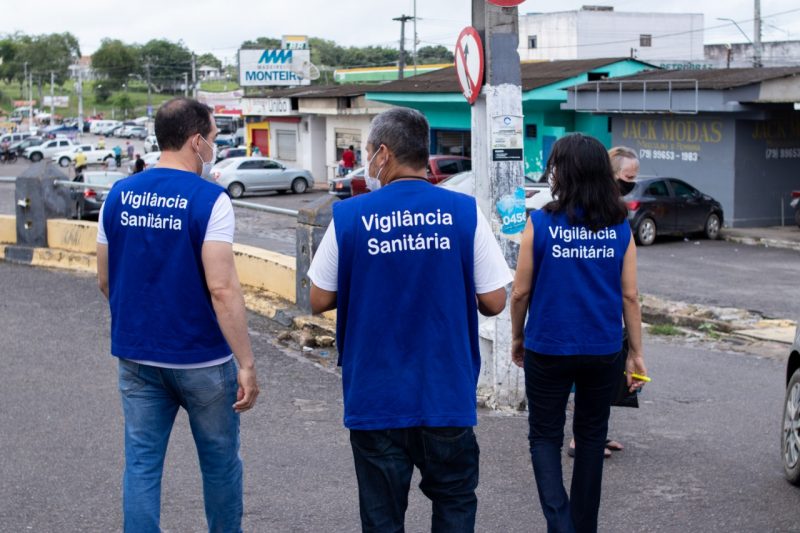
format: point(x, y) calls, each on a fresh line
point(373, 184)
point(206, 171)
point(625, 187)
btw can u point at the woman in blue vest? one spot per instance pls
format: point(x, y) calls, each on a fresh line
point(576, 275)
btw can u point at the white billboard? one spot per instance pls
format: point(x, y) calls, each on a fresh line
point(263, 68)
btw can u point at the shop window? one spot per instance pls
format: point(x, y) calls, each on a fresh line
point(345, 139)
point(530, 131)
point(645, 40)
point(287, 145)
point(453, 142)
point(532, 41)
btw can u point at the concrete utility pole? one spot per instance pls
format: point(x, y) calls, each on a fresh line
point(757, 35)
point(52, 96)
point(402, 19)
point(30, 101)
point(149, 91)
point(186, 84)
point(80, 100)
point(194, 76)
point(500, 100)
point(415, 37)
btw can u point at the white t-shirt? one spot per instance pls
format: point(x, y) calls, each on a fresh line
point(490, 269)
point(221, 226)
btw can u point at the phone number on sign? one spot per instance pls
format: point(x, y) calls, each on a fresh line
point(669, 155)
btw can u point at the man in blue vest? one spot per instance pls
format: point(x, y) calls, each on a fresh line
point(165, 263)
point(408, 267)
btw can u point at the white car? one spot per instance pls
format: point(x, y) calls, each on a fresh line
point(47, 149)
point(93, 155)
point(537, 195)
point(150, 144)
point(150, 160)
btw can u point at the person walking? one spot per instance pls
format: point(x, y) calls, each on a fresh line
point(138, 164)
point(575, 278)
point(129, 150)
point(165, 263)
point(117, 155)
point(625, 164)
point(80, 165)
point(255, 151)
point(348, 160)
point(408, 267)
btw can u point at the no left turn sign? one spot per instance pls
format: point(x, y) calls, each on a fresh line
point(469, 63)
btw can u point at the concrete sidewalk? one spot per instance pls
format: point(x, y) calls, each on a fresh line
point(785, 237)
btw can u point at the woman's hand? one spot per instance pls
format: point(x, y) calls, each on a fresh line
point(518, 352)
point(635, 365)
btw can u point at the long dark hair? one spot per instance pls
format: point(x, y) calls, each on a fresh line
point(583, 183)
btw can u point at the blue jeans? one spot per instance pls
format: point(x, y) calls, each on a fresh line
point(151, 397)
point(447, 459)
point(548, 381)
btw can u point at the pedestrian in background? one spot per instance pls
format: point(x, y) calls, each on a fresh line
point(254, 150)
point(129, 149)
point(165, 263)
point(625, 165)
point(117, 155)
point(575, 278)
point(408, 267)
point(348, 160)
point(138, 165)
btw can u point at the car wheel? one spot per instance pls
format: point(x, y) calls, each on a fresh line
point(64, 161)
point(646, 232)
point(36, 157)
point(79, 210)
point(790, 437)
point(299, 186)
point(712, 227)
point(236, 189)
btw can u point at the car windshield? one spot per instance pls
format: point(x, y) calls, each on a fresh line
point(102, 178)
point(458, 179)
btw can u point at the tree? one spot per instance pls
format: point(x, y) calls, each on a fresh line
point(166, 62)
point(262, 43)
point(116, 61)
point(9, 64)
point(124, 103)
point(434, 54)
point(47, 53)
point(210, 60)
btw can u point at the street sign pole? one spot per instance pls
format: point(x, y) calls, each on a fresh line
point(498, 165)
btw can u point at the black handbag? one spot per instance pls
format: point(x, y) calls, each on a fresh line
point(623, 397)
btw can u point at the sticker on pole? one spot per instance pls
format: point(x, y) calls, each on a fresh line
point(469, 63)
point(506, 3)
point(511, 208)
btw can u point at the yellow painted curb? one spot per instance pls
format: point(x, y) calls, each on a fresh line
point(72, 235)
point(8, 229)
point(266, 270)
point(48, 257)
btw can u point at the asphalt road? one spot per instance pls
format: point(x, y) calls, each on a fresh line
point(702, 454)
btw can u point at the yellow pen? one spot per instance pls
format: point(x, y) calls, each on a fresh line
point(641, 378)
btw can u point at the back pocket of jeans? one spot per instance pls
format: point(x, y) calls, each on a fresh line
point(202, 386)
point(129, 380)
point(444, 444)
point(371, 442)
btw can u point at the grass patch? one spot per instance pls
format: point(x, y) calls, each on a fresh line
point(711, 331)
point(219, 86)
point(666, 330)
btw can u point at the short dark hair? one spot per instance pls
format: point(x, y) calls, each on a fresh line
point(179, 119)
point(405, 132)
point(584, 186)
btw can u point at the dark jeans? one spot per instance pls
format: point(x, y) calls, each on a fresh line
point(548, 381)
point(447, 459)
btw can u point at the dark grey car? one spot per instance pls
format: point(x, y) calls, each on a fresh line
point(88, 201)
point(790, 436)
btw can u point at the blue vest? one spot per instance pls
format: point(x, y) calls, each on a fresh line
point(576, 300)
point(407, 321)
point(161, 309)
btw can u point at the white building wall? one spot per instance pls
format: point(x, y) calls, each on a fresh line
point(589, 34)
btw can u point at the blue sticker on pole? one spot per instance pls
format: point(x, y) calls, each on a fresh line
point(511, 208)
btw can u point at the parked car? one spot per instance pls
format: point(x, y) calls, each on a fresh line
point(89, 200)
point(537, 195)
point(102, 127)
point(796, 205)
point(20, 146)
point(257, 174)
point(132, 132)
point(343, 187)
point(669, 206)
point(92, 153)
point(790, 437)
point(150, 160)
point(47, 149)
point(441, 167)
point(225, 153)
point(150, 144)
point(14, 137)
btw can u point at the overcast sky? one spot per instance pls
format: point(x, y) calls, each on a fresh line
point(219, 28)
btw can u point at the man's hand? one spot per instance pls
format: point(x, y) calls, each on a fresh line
point(518, 352)
point(248, 390)
point(635, 365)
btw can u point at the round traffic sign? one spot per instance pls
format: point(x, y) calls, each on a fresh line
point(505, 3)
point(469, 63)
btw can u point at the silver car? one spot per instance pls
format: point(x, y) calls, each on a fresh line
point(258, 174)
point(790, 438)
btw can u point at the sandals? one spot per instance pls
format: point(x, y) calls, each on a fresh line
point(611, 445)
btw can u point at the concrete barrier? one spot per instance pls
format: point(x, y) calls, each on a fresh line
point(8, 229)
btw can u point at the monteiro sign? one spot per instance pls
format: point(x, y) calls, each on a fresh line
point(263, 68)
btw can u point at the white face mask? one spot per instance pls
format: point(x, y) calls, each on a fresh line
point(206, 171)
point(373, 184)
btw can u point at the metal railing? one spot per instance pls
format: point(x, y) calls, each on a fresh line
point(8, 179)
point(656, 86)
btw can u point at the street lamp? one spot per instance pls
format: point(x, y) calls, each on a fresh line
point(756, 62)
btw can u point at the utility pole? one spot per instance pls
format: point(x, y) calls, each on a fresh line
point(30, 100)
point(499, 179)
point(24, 80)
point(194, 76)
point(415, 37)
point(402, 19)
point(52, 96)
point(757, 35)
point(186, 84)
point(80, 99)
point(149, 91)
